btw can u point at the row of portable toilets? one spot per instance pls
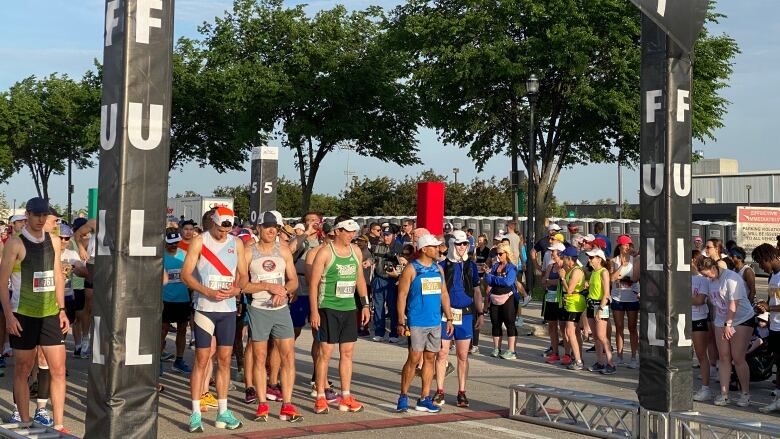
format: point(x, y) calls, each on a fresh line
point(492, 226)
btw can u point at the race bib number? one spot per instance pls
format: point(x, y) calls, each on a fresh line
point(430, 286)
point(217, 282)
point(174, 276)
point(345, 289)
point(275, 278)
point(43, 281)
point(457, 316)
point(774, 291)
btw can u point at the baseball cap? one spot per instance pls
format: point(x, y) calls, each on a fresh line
point(427, 241)
point(387, 231)
point(300, 226)
point(624, 239)
point(349, 225)
point(459, 236)
point(589, 238)
point(557, 246)
point(448, 227)
point(38, 205)
point(245, 235)
point(600, 243)
point(553, 227)
point(78, 222)
point(65, 230)
point(288, 229)
point(559, 237)
point(16, 218)
point(223, 217)
point(697, 239)
point(763, 316)
point(270, 218)
point(569, 252)
point(597, 252)
point(172, 238)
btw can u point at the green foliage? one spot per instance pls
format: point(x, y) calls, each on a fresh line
point(240, 195)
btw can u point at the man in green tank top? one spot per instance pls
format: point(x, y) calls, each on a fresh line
point(336, 274)
point(40, 319)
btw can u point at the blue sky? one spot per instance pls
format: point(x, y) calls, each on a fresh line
point(64, 36)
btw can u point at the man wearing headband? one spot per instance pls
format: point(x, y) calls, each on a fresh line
point(215, 269)
point(336, 274)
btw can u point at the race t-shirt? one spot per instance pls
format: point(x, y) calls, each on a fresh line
point(730, 287)
point(175, 290)
point(700, 285)
point(70, 257)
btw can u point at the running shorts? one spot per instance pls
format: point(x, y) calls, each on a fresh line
point(270, 323)
point(37, 331)
point(221, 325)
point(425, 338)
point(702, 325)
point(463, 331)
point(337, 326)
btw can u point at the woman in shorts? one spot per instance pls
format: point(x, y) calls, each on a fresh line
point(700, 325)
point(625, 302)
point(598, 311)
point(573, 303)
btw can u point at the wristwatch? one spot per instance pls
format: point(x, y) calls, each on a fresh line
point(727, 324)
point(63, 310)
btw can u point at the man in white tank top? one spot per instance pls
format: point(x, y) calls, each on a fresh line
point(272, 282)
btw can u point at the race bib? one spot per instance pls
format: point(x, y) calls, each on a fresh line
point(345, 289)
point(174, 276)
point(457, 317)
point(273, 278)
point(774, 291)
point(217, 282)
point(551, 296)
point(43, 281)
point(430, 285)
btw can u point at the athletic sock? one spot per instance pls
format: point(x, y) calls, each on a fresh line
point(195, 406)
point(345, 393)
point(222, 404)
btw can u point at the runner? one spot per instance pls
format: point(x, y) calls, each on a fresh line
point(465, 298)
point(598, 311)
point(176, 300)
point(336, 273)
point(187, 233)
point(40, 318)
point(422, 288)
point(700, 325)
point(553, 300)
point(768, 258)
point(503, 300)
point(625, 302)
point(221, 270)
point(744, 269)
point(272, 279)
point(573, 288)
point(734, 322)
point(84, 235)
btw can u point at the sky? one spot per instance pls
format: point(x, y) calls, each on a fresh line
point(64, 36)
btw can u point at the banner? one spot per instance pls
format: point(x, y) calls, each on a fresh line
point(756, 226)
point(132, 182)
point(665, 374)
point(264, 178)
point(680, 19)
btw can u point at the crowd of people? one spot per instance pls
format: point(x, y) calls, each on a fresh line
point(247, 292)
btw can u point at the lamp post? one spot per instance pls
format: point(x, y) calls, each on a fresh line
point(455, 171)
point(532, 90)
point(748, 187)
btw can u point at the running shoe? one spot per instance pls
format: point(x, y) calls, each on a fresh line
point(438, 398)
point(553, 359)
point(273, 393)
point(172, 328)
point(8, 352)
point(509, 355)
point(713, 373)
point(703, 394)
point(227, 421)
point(321, 406)
point(289, 413)
point(378, 338)
point(597, 367)
point(547, 351)
point(15, 418)
point(462, 400)
point(181, 367)
point(566, 360)
point(772, 406)
point(527, 299)
point(167, 357)
point(196, 423)
point(426, 405)
point(192, 344)
point(633, 364)
point(495, 353)
point(43, 417)
point(250, 395)
point(350, 404)
point(577, 365)
point(262, 412)
point(621, 362)
point(393, 340)
point(449, 369)
point(744, 400)
point(474, 350)
point(208, 400)
point(721, 400)
point(331, 396)
point(609, 370)
point(62, 430)
point(403, 404)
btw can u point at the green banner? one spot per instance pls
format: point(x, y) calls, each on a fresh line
point(92, 203)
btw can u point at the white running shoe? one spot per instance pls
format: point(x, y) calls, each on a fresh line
point(721, 400)
point(704, 394)
point(633, 364)
point(744, 400)
point(527, 299)
point(773, 406)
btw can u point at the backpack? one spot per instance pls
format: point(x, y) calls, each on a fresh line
point(449, 275)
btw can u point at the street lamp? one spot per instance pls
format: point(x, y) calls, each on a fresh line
point(748, 187)
point(532, 93)
point(455, 171)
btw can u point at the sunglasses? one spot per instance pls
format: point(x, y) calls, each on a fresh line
point(65, 238)
point(461, 244)
point(226, 224)
point(500, 254)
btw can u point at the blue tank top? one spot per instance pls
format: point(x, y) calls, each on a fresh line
point(424, 300)
point(174, 290)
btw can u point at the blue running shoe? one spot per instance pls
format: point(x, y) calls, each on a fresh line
point(228, 421)
point(15, 418)
point(167, 356)
point(403, 404)
point(181, 366)
point(196, 424)
point(426, 405)
point(43, 417)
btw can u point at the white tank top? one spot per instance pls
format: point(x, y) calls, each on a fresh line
point(623, 291)
point(266, 268)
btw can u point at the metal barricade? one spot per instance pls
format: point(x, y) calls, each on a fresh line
point(694, 425)
point(579, 412)
point(654, 425)
point(30, 430)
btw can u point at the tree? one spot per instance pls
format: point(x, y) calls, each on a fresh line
point(49, 121)
point(240, 195)
point(471, 61)
point(322, 81)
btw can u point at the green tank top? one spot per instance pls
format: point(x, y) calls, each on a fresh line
point(575, 302)
point(595, 290)
point(337, 287)
point(37, 297)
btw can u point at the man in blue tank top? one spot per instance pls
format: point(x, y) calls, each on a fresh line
point(422, 298)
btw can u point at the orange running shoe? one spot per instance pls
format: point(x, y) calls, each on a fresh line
point(350, 404)
point(262, 412)
point(290, 413)
point(321, 406)
point(63, 430)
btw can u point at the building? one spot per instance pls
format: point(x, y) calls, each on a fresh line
point(718, 188)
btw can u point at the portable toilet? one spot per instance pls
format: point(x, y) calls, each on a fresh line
point(486, 227)
point(473, 223)
point(500, 225)
point(587, 225)
point(729, 231)
point(615, 228)
point(716, 231)
point(698, 229)
point(633, 230)
point(563, 223)
point(458, 222)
